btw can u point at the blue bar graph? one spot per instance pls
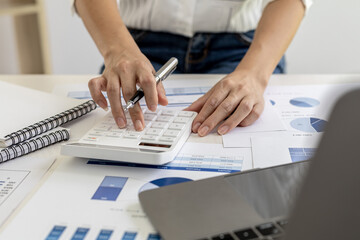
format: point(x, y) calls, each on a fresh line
point(110, 188)
point(80, 234)
point(129, 236)
point(55, 233)
point(154, 236)
point(301, 154)
point(104, 234)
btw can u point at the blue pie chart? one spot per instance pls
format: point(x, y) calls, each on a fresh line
point(162, 182)
point(310, 125)
point(304, 102)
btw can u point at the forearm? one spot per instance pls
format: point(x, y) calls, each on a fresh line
point(276, 29)
point(103, 21)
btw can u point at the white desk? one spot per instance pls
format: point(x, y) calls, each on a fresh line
point(47, 82)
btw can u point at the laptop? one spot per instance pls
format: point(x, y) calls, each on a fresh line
point(316, 199)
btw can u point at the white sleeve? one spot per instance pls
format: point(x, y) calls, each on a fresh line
point(73, 7)
point(307, 4)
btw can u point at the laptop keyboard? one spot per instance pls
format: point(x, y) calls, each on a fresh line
point(265, 231)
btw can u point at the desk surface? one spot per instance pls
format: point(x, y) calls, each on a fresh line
point(47, 82)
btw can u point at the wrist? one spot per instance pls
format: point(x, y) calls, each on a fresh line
point(119, 44)
point(117, 51)
point(262, 77)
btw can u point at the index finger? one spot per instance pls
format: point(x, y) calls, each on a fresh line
point(96, 85)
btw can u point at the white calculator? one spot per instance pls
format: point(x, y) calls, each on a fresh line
point(165, 132)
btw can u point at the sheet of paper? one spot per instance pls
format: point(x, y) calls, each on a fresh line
point(180, 93)
point(21, 107)
point(97, 199)
point(304, 109)
point(271, 151)
point(269, 121)
point(200, 157)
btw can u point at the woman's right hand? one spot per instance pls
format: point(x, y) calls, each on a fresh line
point(124, 70)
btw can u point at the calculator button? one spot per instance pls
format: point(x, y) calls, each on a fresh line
point(96, 133)
point(114, 134)
point(148, 112)
point(157, 111)
point(159, 125)
point(185, 114)
point(149, 117)
point(176, 126)
point(164, 119)
point(167, 139)
point(91, 139)
point(171, 133)
point(181, 120)
point(154, 131)
point(117, 129)
point(101, 127)
point(168, 112)
point(149, 137)
point(147, 123)
point(131, 135)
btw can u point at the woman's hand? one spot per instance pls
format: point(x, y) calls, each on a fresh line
point(123, 71)
point(236, 100)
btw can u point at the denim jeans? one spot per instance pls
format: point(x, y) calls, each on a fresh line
point(203, 53)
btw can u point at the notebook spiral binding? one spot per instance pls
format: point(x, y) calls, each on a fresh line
point(33, 145)
point(49, 123)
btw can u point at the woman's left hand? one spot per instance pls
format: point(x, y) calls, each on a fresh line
point(237, 99)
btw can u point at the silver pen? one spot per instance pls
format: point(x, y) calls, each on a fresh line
point(160, 76)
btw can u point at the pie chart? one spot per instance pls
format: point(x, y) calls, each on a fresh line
point(304, 102)
point(309, 125)
point(162, 182)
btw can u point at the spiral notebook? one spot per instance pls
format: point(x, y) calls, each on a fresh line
point(23, 142)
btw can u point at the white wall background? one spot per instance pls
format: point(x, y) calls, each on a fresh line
point(327, 42)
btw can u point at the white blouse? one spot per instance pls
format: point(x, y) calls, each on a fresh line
point(186, 17)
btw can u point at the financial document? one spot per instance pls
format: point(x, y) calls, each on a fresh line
point(288, 148)
point(269, 121)
point(178, 97)
point(20, 176)
point(303, 110)
point(93, 200)
point(202, 157)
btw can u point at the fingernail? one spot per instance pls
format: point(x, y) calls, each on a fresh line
point(196, 126)
point(153, 107)
point(138, 125)
point(203, 131)
point(223, 130)
point(103, 105)
point(120, 122)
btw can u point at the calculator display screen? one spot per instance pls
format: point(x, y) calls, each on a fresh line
point(154, 145)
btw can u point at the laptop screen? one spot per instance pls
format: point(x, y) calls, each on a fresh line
point(271, 192)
